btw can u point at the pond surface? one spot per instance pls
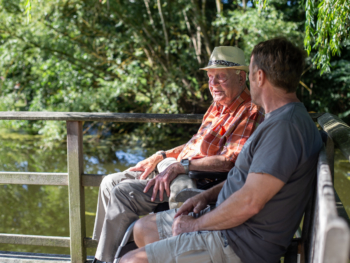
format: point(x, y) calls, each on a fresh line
point(43, 210)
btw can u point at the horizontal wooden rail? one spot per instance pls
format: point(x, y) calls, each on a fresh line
point(47, 178)
point(101, 117)
point(338, 130)
point(48, 241)
point(90, 243)
point(92, 179)
point(108, 116)
point(34, 178)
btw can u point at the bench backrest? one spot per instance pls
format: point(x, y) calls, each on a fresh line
point(326, 236)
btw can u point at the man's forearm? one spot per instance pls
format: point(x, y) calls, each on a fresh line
point(258, 189)
point(232, 212)
point(217, 163)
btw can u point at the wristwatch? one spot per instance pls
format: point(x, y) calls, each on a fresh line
point(186, 164)
point(162, 153)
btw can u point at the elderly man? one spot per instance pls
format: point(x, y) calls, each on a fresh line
point(226, 126)
point(260, 205)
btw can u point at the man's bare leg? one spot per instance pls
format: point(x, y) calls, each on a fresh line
point(135, 256)
point(145, 231)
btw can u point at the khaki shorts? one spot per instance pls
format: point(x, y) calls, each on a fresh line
point(200, 246)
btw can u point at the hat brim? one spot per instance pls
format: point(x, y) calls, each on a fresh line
point(245, 68)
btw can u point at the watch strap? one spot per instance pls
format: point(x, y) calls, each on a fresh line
point(162, 153)
point(186, 164)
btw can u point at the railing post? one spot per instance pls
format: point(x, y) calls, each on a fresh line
point(76, 191)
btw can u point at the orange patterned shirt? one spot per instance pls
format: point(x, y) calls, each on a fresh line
point(224, 130)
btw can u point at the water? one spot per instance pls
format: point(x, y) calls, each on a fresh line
point(43, 210)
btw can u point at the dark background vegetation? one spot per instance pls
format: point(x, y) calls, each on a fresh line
point(141, 56)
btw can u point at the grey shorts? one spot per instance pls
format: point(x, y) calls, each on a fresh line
point(200, 246)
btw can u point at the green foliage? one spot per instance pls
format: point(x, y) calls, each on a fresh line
point(332, 26)
point(249, 28)
point(120, 56)
point(331, 91)
point(327, 25)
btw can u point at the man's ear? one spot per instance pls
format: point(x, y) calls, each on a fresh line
point(261, 77)
point(242, 77)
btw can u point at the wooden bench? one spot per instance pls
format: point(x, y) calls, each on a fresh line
point(325, 236)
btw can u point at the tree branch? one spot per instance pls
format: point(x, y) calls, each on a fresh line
point(149, 14)
point(202, 27)
point(196, 49)
point(167, 49)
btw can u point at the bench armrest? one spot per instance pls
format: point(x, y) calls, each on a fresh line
point(187, 193)
point(207, 175)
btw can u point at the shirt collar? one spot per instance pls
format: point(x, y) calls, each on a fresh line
point(243, 97)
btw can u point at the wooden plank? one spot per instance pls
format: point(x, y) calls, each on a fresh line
point(331, 236)
point(108, 116)
point(34, 178)
point(89, 243)
point(22, 257)
point(336, 242)
point(101, 117)
point(76, 191)
point(34, 240)
point(92, 179)
point(338, 130)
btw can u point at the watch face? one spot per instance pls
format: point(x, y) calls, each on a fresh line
point(185, 162)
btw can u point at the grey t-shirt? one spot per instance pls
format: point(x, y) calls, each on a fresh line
point(285, 145)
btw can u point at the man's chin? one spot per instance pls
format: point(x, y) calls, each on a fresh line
point(220, 101)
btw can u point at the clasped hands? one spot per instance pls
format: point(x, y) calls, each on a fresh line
point(183, 223)
point(162, 181)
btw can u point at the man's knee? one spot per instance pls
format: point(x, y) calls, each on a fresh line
point(109, 181)
point(107, 185)
point(145, 230)
point(121, 190)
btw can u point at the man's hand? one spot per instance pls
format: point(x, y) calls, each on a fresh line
point(184, 224)
point(162, 181)
point(146, 166)
point(194, 204)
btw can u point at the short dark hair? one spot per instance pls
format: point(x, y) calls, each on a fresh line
point(281, 61)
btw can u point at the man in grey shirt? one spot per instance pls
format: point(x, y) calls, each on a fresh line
point(260, 205)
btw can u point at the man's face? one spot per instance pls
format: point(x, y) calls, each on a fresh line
point(253, 80)
point(225, 85)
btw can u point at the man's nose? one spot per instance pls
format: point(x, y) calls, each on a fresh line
point(213, 82)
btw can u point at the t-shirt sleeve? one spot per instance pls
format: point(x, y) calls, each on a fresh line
point(278, 152)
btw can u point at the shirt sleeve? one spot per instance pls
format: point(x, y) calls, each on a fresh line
point(278, 152)
point(244, 124)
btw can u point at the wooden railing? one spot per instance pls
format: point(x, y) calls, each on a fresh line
point(75, 178)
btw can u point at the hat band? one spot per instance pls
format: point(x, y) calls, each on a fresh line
point(223, 63)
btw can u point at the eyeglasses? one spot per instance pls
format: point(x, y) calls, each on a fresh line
point(221, 78)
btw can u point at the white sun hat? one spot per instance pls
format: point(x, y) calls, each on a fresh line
point(227, 57)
